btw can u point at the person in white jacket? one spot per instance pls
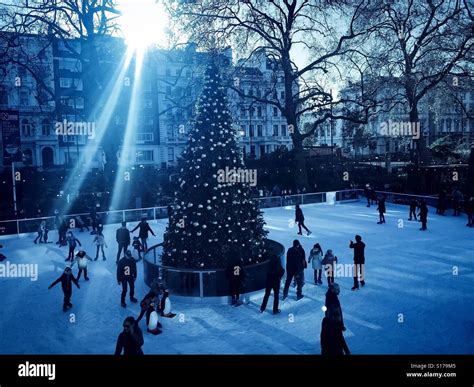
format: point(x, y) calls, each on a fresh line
point(316, 258)
point(81, 260)
point(99, 241)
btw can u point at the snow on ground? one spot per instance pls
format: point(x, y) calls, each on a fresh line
point(409, 277)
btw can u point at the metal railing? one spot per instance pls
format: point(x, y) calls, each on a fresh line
point(30, 225)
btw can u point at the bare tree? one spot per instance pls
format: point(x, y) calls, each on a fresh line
point(326, 32)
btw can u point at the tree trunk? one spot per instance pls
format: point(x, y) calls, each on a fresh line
point(301, 174)
point(421, 158)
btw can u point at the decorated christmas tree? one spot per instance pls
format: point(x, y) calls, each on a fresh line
point(214, 221)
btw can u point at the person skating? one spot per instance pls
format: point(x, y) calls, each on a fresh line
point(164, 306)
point(126, 275)
point(359, 261)
point(423, 215)
point(332, 300)
point(130, 341)
point(40, 235)
point(328, 262)
point(45, 235)
point(441, 208)
point(367, 194)
point(316, 258)
point(469, 209)
point(72, 242)
point(147, 307)
point(99, 241)
point(138, 247)
point(66, 279)
point(80, 224)
point(81, 260)
point(381, 210)
point(457, 202)
point(143, 232)
point(299, 218)
point(413, 207)
point(235, 274)
point(274, 275)
point(295, 261)
point(122, 237)
point(62, 231)
point(332, 338)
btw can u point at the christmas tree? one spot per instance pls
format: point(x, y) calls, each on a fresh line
point(214, 221)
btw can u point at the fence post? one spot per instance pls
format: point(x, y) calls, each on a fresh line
point(123, 216)
point(18, 228)
point(201, 285)
point(154, 213)
point(302, 199)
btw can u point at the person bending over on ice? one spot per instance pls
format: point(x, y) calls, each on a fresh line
point(66, 279)
point(81, 259)
point(235, 275)
point(332, 338)
point(147, 306)
point(299, 218)
point(126, 275)
point(130, 341)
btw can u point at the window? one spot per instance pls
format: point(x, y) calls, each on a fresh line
point(262, 150)
point(79, 103)
point(283, 130)
point(65, 83)
point(259, 111)
point(251, 134)
point(259, 131)
point(24, 98)
point(170, 155)
point(275, 130)
point(26, 128)
point(142, 137)
point(77, 84)
point(145, 155)
point(242, 112)
point(252, 112)
point(70, 64)
point(252, 150)
point(45, 127)
point(275, 112)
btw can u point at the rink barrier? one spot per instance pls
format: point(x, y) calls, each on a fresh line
point(210, 285)
point(30, 225)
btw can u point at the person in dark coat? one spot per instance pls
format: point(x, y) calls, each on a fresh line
point(373, 195)
point(458, 198)
point(359, 261)
point(72, 242)
point(381, 210)
point(413, 207)
point(295, 263)
point(143, 232)
point(469, 209)
point(122, 237)
point(62, 231)
point(332, 300)
point(126, 275)
point(332, 338)
point(66, 279)
point(442, 197)
point(130, 341)
point(147, 306)
point(423, 215)
point(275, 272)
point(235, 274)
point(367, 194)
point(299, 218)
point(138, 247)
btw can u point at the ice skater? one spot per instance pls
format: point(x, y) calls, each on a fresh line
point(130, 340)
point(381, 210)
point(295, 261)
point(99, 241)
point(138, 247)
point(40, 235)
point(469, 209)
point(367, 194)
point(299, 218)
point(126, 275)
point(143, 232)
point(81, 260)
point(72, 242)
point(316, 258)
point(66, 279)
point(275, 272)
point(332, 300)
point(359, 261)
point(328, 262)
point(413, 207)
point(122, 236)
point(423, 215)
point(235, 274)
point(332, 338)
